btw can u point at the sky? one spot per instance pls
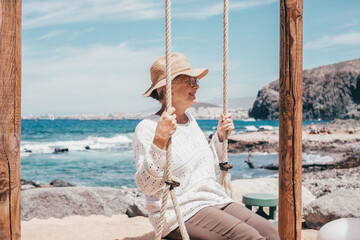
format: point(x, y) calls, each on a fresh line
point(94, 56)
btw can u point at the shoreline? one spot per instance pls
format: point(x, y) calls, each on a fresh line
point(341, 142)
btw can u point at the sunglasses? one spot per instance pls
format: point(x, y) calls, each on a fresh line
point(191, 80)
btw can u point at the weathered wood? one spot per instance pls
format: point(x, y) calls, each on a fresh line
point(290, 119)
point(10, 118)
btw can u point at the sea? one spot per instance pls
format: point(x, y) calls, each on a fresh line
point(100, 151)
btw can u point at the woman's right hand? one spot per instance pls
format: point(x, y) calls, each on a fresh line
point(166, 127)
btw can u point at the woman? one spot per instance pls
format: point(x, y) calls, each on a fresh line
point(208, 212)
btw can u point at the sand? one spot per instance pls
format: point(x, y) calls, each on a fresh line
point(96, 227)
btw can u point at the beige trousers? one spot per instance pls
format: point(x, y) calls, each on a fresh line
point(233, 221)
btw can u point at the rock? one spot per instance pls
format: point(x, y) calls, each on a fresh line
point(342, 203)
point(324, 182)
point(60, 183)
point(67, 201)
point(25, 185)
point(25, 182)
point(137, 202)
point(266, 105)
point(60, 150)
point(137, 208)
point(329, 92)
point(264, 185)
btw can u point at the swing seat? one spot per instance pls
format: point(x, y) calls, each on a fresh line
point(262, 200)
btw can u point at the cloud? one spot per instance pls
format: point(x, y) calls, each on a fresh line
point(43, 13)
point(214, 9)
point(96, 78)
point(350, 38)
point(352, 23)
point(50, 34)
point(52, 12)
point(102, 78)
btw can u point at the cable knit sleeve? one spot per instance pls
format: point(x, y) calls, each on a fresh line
point(150, 160)
point(216, 148)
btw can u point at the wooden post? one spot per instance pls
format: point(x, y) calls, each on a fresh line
point(10, 118)
point(290, 119)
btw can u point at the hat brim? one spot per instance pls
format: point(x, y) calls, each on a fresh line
point(198, 73)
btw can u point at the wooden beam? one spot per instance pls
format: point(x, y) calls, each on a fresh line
point(10, 118)
point(290, 119)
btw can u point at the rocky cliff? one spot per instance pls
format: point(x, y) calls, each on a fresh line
point(329, 92)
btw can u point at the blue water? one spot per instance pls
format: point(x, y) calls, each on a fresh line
point(109, 161)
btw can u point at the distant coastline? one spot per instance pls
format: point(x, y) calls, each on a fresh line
point(199, 111)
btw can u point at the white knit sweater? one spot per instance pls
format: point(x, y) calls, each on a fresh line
point(194, 161)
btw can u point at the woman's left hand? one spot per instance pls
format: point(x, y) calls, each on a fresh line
point(225, 126)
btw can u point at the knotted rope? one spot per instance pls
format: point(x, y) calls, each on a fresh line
point(171, 181)
point(225, 177)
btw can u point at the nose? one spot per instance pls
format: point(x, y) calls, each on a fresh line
point(196, 86)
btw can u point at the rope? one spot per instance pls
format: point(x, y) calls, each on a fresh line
point(225, 177)
point(171, 182)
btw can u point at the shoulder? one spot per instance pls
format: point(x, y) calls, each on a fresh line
point(147, 125)
point(191, 118)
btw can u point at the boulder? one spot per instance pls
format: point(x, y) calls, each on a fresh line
point(25, 185)
point(67, 201)
point(263, 185)
point(60, 150)
point(343, 203)
point(137, 202)
point(329, 92)
point(60, 183)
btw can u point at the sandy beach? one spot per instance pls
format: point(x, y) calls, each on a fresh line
point(94, 227)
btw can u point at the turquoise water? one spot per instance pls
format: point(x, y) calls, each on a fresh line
point(109, 161)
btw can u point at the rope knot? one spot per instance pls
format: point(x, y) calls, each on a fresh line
point(173, 182)
point(225, 166)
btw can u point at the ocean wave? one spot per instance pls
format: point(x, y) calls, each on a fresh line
point(95, 143)
point(315, 159)
point(266, 127)
point(264, 153)
point(249, 120)
point(251, 128)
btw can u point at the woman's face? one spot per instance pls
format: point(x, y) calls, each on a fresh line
point(183, 92)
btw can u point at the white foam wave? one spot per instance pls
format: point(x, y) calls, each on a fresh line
point(315, 159)
point(251, 128)
point(95, 143)
point(264, 153)
point(249, 120)
point(267, 127)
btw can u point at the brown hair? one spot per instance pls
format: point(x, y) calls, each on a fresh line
point(159, 93)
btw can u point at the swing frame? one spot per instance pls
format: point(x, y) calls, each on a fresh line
point(290, 119)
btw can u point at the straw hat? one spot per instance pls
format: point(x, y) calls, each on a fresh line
point(179, 66)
